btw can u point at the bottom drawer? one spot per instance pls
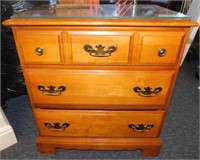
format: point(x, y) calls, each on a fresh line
point(90, 123)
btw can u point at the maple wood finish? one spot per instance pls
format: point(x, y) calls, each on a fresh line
point(170, 41)
point(121, 40)
point(47, 41)
point(149, 146)
point(101, 84)
point(100, 124)
point(87, 87)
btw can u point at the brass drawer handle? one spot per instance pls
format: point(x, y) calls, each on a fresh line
point(147, 92)
point(100, 52)
point(56, 126)
point(162, 52)
point(51, 90)
point(39, 51)
point(141, 127)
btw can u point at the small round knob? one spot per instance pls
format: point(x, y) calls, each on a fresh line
point(39, 51)
point(162, 52)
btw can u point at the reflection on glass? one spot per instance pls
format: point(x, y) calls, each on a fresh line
point(117, 10)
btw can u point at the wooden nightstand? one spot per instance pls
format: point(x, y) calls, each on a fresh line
point(100, 81)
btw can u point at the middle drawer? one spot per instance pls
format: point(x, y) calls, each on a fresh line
point(99, 87)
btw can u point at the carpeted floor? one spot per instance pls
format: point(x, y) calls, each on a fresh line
point(180, 133)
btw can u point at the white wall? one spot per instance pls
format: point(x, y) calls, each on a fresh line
point(194, 13)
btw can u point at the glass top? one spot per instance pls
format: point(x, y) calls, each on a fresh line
point(101, 11)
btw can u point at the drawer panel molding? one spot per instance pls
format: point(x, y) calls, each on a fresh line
point(159, 47)
point(112, 47)
point(41, 46)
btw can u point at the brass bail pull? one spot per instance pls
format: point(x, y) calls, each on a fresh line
point(141, 127)
point(56, 126)
point(100, 50)
point(147, 91)
point(51, 90)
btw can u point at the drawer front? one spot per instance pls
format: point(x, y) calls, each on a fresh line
point(159, 48)
point(98, 123)
point(85, 87)
point(100, 47)
point(39, 46)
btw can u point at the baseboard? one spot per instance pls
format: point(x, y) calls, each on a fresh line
point(7, 135)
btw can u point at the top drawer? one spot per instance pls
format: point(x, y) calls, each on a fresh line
point(100, 47)
point(40, 46)
point(159, 48)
